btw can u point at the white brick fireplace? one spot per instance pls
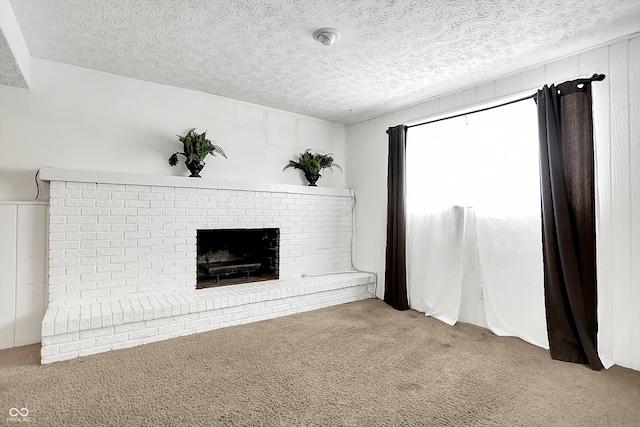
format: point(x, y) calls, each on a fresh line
point(122, 257)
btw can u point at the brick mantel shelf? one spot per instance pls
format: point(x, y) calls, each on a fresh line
point(55, 174)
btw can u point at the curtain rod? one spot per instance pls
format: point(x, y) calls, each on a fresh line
point(594, 78)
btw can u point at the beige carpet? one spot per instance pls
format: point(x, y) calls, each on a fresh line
point(356, 364)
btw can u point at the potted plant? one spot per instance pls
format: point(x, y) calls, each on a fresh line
point(311, 164)
point(196, 147)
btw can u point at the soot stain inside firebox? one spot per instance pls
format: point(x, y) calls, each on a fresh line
point(234, 256)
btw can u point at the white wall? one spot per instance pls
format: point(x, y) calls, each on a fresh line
point(77, 118)
point(617, 130)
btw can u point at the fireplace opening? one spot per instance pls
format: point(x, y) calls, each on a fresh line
point(229, 257)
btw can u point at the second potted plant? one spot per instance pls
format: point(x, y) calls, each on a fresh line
point(311, 164)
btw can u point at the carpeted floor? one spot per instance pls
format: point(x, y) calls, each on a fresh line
point(356, 364)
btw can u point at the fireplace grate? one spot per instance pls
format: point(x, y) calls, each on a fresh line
point(217, 269)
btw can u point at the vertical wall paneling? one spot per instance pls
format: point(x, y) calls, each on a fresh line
point(409, 114)
point(430, 108)
point(382, 217)
point(470, 96)
point(486, 91)
point(30, 273)
point(509, 85)
point(621, 204)
point(415, 113)
point(597, 61)
point(563, 69)
point(533, 78)
point(23, 253)
point(8, 230)
point(447, 103)
point(368, 255)
point(459, 99)
point(634, 139)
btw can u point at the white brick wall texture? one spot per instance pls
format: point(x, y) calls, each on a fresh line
point(122, 262)
point(114, 241)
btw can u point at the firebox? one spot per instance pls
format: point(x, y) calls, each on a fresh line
point(233, 256)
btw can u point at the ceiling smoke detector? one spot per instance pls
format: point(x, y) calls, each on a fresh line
point(327, 36)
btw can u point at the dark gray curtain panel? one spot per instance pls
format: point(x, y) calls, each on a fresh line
point(395, 276)
point(568, 221)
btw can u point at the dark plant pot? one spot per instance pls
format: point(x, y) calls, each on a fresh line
point(195, 168)
point(312, 179)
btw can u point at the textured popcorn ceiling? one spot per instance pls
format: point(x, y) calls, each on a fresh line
point(392, 53)
point(10, 73)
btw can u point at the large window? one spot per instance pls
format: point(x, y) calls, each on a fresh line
point(474, 238)
point(487, 160)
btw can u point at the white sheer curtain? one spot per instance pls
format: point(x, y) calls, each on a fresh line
point(435, 249)
point(473, 185)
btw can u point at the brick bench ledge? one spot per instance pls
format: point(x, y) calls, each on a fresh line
point(87, 328)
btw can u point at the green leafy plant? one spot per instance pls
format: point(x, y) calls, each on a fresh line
point(311, 164)
point(196, 147)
